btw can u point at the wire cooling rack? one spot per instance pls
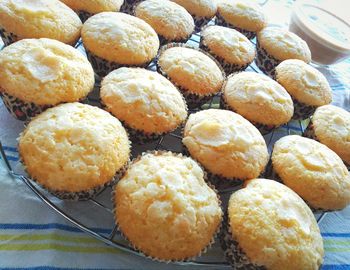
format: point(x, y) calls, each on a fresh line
point(102, 206)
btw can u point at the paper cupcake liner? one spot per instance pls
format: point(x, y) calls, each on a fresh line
point(84, 15)
point(264, 129)
point(8, 37)
point(200, 22)
point(22, 110)
point(193, 100)
point(128, 6)
point(204, 250)
point(309, 132)
point(265, 62)
point(228, 67)
point(302, 111)
point(102, 67)
point(233, 252)
point(219, 20)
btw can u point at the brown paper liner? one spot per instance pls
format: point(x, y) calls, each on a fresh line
point(194, 100)
point(301, 110)
point(204, 250)
point(8, 37)
point(265, 62)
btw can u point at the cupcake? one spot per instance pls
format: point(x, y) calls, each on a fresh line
point(171, 21)
point(313, 171)
point(229, 47)
point(268, 226)
point(87, 8)
point(246, 17)
point(256, 97)
point(114, 39)
point(202, 11)
point(308, 87)
point(330, 125)
point(196, 74)
point(164, 207)
point(128, 6)
point(226, 145)
point(275, 45)
point(38, 19)
point(39, 73)
point(146, 102)
point(74, 150)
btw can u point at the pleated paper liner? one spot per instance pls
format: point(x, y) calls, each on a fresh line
point(309, 132)
point(233, 252)
point(8, 37)
point(219, 20)
point(200, 22)
point(102, 67)
point(194, 100)
point(204, 250)
point(301, 110)
point(128, 6)
point(84, 15)
point(265, 62)
point(163, 40)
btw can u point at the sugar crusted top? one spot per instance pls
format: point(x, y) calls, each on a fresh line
point(168, 19)
point(305, 83)
point(192, 70)
point(143, 99)
point(94, 6)
point(199, 8)
point(45, 72)
point(283, 44)
point(120, 38)
point(274, 227)
point(228, 44)
point(332, 128)
point(312, 170)
point(243, 14)
point(226, 144)
point(40, 19)
point(165, 208)
point(74, 147)
point(258, 98)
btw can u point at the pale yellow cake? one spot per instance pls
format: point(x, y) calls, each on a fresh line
point(246, 15)
point(165, 208)
point(304, 82)
point(94, 6)
point(313, 171)
point(120, 38)
point(228, 44)
point(274, 227)
point(283, 44)
point(168, 19)
point(40, 19)
point(226, 144)
point(45, 72)
point(144, 100)
point(199, 8)
point(74, 147)
point(192, 70)
point(258, 98)
point(331, 125)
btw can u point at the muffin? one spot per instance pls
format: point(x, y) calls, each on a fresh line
point(38, 19)
point(330, 125)
point(74, 150)
point(229, 47)
point(308, 87)
point(246, 17)
point(164, 207)
point(313, 171)
point(198, 75)
point(268, 226)
point(226, 145)
point(146, 102)
point(87, 8)
point(39, 73)
point(128, 6)
point(256, 97)
point(275, 45)
point(171, 21)
point(202, 11)
point(114, 39)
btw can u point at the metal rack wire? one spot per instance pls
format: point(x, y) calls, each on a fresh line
point(170, 142)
